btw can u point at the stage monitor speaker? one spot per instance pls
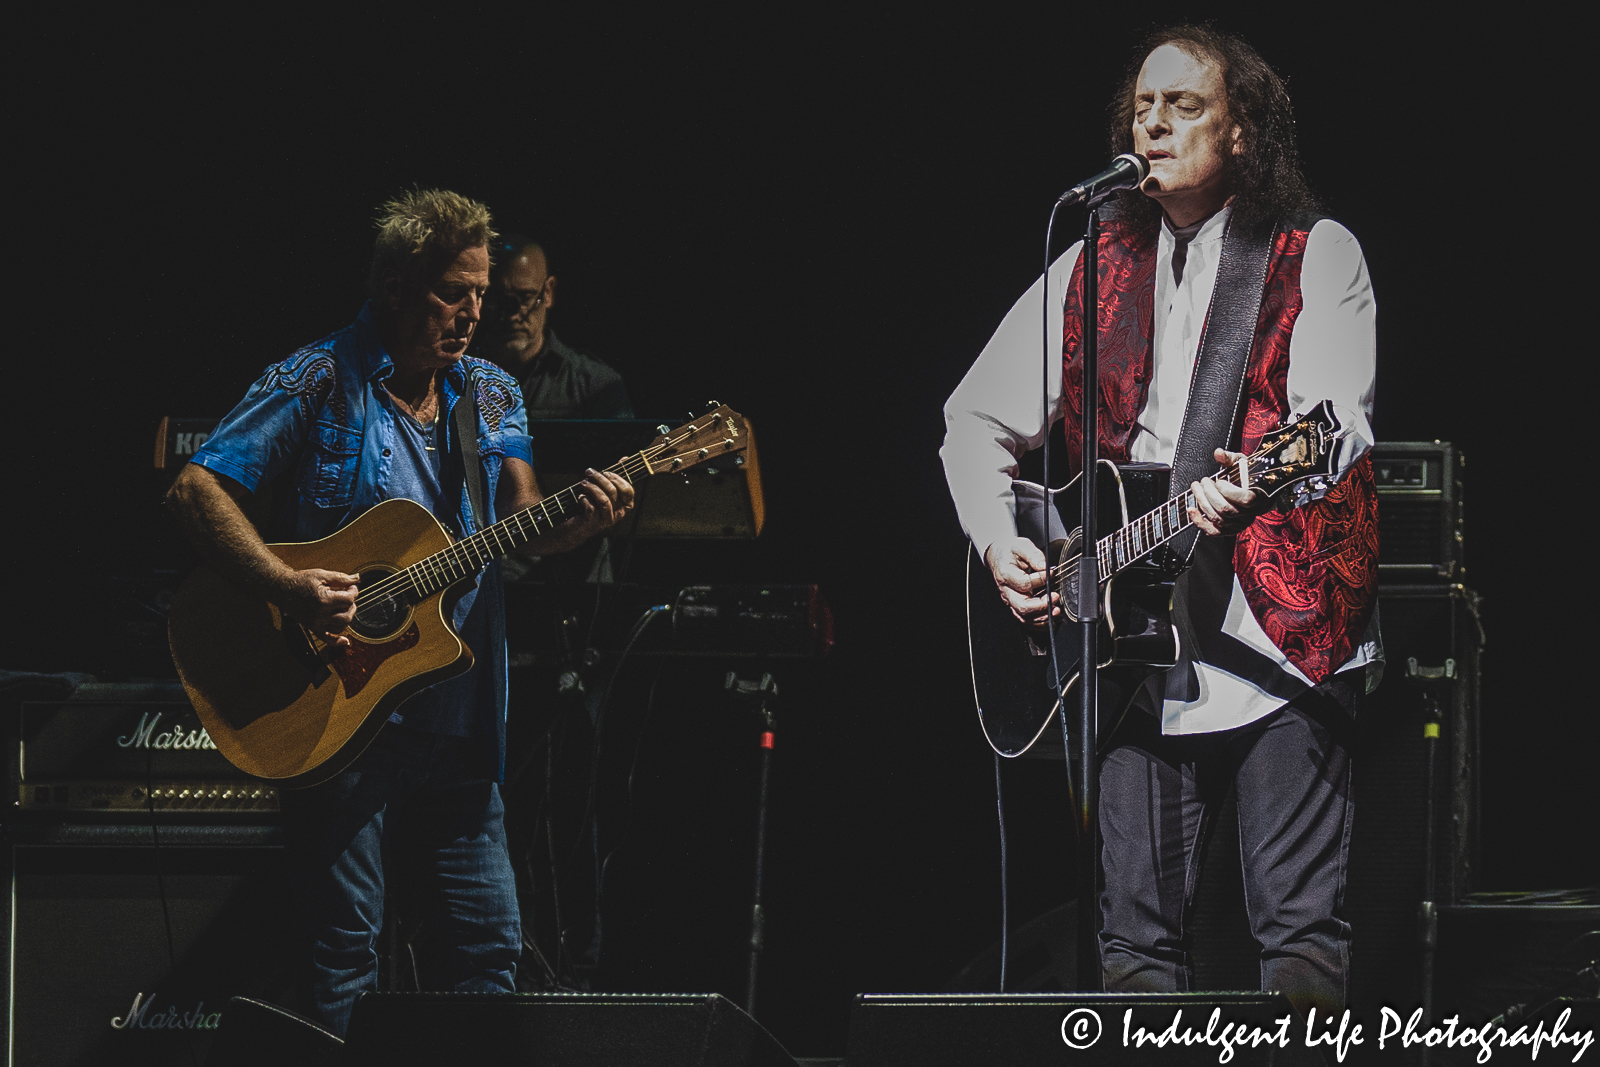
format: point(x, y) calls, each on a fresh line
point(89, 981)
point(1028, 1029)
point(558, 1030)
point(1042, 957)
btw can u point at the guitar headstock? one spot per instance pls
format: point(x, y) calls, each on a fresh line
point(1300, 455)
point(721, 431)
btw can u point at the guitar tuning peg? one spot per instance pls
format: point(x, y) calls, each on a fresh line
point(663, 428)
point(712, 405)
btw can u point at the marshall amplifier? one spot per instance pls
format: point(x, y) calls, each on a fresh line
point(1419, 511)
point(115, 752)
point(89, 978)
point(128, 934)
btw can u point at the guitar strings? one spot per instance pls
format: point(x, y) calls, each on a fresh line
point(454, 562)
point(443, 565)
point(1068, 568)
point(1145, 528)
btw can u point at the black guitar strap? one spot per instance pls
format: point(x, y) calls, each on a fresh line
point(466, 420)
point(1210, 420)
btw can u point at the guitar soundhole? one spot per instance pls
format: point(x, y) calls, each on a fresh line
point(381, 613)
point(1069, 593)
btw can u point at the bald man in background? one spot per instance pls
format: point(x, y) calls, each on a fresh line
point(557, 382)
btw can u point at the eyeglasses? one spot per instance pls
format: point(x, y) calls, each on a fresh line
point(517, 302)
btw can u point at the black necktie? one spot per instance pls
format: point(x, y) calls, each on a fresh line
point(1180, 255)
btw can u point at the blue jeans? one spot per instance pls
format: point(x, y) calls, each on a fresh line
point(434, 794)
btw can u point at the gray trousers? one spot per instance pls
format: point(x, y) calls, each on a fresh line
point(1158, 798)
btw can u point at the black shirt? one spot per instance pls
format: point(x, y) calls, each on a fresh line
point(566, 384)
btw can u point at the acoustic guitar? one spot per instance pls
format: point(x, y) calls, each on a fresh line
point(1017, 684)
point(283, 704)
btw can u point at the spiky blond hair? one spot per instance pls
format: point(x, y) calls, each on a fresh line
point(422, 230)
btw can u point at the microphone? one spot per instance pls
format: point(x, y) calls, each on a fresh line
point(1125, 172)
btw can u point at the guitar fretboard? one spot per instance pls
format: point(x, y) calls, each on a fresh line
point(1122, 548)
point(470, 555)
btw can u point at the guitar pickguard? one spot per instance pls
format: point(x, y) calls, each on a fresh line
point(357, 664)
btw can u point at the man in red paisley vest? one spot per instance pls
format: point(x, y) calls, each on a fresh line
point(1276, 610)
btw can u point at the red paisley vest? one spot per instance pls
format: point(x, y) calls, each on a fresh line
point(1310, 574)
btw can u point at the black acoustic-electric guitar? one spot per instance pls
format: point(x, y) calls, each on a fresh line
point(1012, 676)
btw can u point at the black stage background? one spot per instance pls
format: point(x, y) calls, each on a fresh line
point(818, 218)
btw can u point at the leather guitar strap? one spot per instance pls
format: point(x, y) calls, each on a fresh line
point(1210, 420)
point(466, 420)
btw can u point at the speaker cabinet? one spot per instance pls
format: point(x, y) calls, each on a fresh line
point(89, 980)
point(558, 1029)
point(1431, 628)
point(1419, 511)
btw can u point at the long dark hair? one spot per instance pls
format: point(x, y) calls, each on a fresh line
point(1266, 178)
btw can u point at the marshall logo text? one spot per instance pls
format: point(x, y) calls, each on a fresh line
point(141, 1017)
point(144, 736)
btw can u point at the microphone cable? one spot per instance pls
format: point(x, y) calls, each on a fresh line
point(600, 710)
point(1049, 501)
point(558, 858)
point(633, 771)
point(1005, 896)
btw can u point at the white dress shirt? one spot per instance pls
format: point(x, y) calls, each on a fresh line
point(1013, 392)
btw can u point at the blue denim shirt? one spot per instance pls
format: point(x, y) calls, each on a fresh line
point(320, 425)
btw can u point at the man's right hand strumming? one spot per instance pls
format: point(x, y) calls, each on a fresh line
point(1018, 568)
point(324, 602)
point(209, 506)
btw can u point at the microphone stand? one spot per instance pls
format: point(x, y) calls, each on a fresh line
point(1088, 612)
point(1126, 169)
